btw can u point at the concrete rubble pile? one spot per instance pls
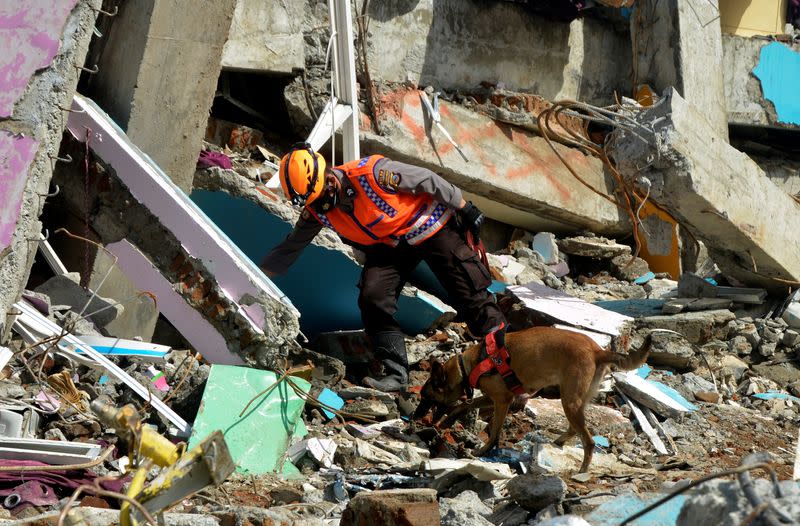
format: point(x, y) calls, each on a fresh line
point(726, 386)
point(150, 372)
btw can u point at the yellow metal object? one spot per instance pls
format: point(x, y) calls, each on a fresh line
point(158, 448)
point(184, 474)
point(137, 483)
point(747, 18)
point(208, 463)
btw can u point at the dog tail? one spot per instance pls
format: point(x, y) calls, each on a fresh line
point(632, 360)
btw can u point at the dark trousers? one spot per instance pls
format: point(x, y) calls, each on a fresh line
point(454, 264)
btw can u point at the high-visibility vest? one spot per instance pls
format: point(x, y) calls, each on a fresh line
point(380, 215)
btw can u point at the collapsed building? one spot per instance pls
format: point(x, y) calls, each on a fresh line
point(637, 164)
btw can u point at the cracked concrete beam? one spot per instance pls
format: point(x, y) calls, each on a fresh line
point(512, 174)
point(747, 222)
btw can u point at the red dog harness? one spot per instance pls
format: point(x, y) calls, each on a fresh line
point(495, 359)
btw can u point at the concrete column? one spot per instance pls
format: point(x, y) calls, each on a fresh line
point(678, 43)
point(43, 43)
point(158, 74)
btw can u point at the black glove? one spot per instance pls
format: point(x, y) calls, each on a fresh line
point(471, 218)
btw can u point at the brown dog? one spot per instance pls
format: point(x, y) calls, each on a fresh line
point(540, 357)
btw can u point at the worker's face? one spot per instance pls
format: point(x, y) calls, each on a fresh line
point(333, 186)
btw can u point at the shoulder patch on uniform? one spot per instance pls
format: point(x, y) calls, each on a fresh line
point(388, 180)
point(305, 215)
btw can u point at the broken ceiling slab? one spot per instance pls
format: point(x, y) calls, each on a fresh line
point(569, 309)
point(211, 273)
point(257, 220)
point(716, 191)
point(513, 175)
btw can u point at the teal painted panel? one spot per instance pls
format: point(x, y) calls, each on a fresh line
point(613, 512)
point(258, 440)
point(322, 283)
point(779, 72)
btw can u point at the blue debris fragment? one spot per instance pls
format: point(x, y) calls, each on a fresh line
point(613, 512)
point(641, 280)
point(779, 72)
point(601, 442)
point(331, 399)
point(773, 394)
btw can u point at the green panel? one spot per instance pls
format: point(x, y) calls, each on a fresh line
point(258, 440)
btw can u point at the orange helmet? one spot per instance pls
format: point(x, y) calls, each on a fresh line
point(302, 174)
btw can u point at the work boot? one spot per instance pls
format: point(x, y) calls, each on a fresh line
point(390, 349)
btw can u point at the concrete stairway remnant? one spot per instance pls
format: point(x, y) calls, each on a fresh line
point(256, 319)
point(716, 191)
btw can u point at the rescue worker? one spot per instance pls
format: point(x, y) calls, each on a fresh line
point(398, 215)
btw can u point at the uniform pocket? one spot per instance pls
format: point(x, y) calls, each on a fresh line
point(477, 272)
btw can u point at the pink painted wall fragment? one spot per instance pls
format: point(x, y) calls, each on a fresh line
point(30, 33)
point(16, 154)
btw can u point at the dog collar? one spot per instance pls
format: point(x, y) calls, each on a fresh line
point(468, 390)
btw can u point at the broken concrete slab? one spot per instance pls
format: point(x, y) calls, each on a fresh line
point(658, 397)
point(197, 330)
point(569, 309)
point(592, 247)
point(43, 41)
point(693, 286)
point(717, 192)
point(66, 290)
point(513, 175)
point(676, 305)
point(672, 350)
point(210, 271)
point(697, 327)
